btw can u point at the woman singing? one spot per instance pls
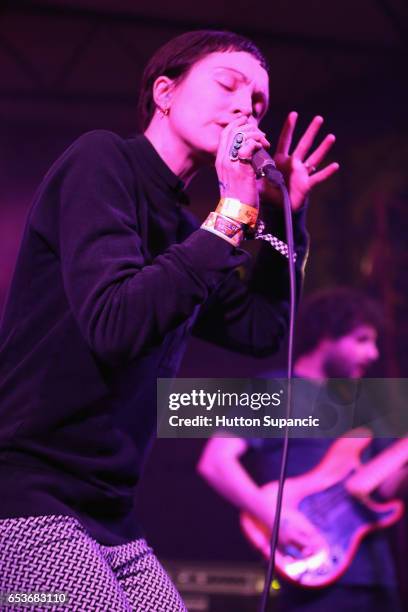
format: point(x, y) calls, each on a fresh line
point(112, 277)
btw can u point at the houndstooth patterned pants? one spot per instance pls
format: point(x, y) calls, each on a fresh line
point(54, 554)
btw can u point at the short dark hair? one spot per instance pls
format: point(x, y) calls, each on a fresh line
point(177, 56)
point(333, 313)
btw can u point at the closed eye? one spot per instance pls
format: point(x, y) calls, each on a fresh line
point(226, 86)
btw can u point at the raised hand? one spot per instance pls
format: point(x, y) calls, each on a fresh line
point(299, 167)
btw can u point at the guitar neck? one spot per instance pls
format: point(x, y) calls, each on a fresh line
point(376, 471)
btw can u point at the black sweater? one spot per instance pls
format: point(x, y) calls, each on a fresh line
point(111, 278)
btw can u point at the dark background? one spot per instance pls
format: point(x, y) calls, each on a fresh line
point(70, 66)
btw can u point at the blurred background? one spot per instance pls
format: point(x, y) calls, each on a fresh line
point(69, 66)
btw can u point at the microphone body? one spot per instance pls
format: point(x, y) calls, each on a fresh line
point(264, 165)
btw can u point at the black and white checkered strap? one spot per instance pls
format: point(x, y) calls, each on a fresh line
point(275, 242)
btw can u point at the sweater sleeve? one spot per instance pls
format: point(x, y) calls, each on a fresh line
point(122, 306)
point(252, 317)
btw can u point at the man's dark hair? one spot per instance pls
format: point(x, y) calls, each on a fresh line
point(176, 57)
point(333, 313)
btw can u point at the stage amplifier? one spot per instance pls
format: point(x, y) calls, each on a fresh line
point(219, 587)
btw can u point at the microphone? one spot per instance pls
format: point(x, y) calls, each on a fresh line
point(264, 165)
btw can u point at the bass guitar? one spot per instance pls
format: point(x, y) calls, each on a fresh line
point(327, 497)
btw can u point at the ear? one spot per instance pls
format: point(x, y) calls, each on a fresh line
point(162, 90)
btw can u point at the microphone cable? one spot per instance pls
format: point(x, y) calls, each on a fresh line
point(270, 172)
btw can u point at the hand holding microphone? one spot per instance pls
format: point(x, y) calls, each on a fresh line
point(241, 161)
point(239, 141)
point(299, 167)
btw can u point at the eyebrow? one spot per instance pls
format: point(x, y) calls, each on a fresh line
point(241, 74)
point(259, 94)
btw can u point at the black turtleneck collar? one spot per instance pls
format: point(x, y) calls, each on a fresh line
point(157, 169)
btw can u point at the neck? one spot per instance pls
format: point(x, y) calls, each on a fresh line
point(173, 151)
point(310, 366)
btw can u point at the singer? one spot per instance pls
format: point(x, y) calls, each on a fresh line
point(112, 276)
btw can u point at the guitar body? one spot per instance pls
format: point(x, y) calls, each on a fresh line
point(343, 520)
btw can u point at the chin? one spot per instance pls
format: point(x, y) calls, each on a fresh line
point(210, 142)
point(211, 146)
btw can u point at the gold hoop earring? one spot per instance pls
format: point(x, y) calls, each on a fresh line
point(163, 111)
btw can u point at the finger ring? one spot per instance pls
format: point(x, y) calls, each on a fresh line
point(244, 160)
point(310, 168)
point(237, 143)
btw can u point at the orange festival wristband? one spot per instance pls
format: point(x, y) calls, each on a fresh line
point(237, 210)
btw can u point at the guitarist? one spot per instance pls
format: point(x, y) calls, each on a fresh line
point(337, 338)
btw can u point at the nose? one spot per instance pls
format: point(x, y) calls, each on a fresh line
point(373, 351)
point(243, 103)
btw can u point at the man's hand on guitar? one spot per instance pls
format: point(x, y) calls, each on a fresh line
point(296, 534)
